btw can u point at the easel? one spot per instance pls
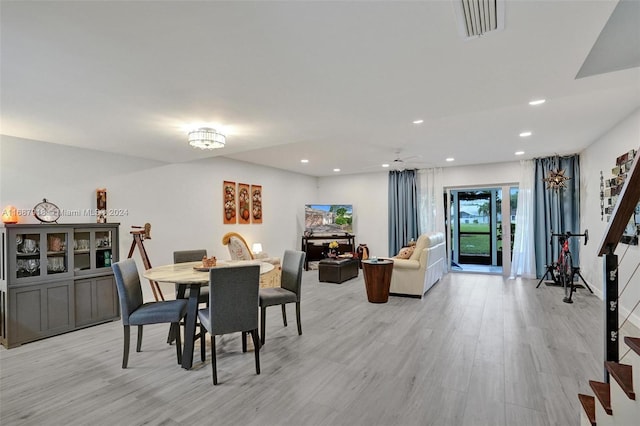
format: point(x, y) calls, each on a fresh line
point(138, 236)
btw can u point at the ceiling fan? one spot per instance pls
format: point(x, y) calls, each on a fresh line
point(400, 163)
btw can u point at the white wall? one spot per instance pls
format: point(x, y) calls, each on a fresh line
point(183, 201)
point(368, 193)
point(601, 156)
point(481, 175)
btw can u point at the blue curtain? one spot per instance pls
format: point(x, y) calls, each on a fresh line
point(403, 209)
point(556, 211)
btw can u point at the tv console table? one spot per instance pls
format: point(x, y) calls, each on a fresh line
point(316, 246)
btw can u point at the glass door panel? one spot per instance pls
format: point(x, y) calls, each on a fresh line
point(57, 261)
point(81, 251)
point(103, 249)
point(27, 255)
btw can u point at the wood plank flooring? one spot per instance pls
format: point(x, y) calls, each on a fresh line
point(477, 350)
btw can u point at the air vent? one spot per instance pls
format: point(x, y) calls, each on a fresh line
point(478, 17)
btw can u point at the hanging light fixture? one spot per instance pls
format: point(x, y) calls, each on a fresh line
point(206, 138)
point(556, 179)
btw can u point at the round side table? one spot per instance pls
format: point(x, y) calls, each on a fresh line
point(377, 279)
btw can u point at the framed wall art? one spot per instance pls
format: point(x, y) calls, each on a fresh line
point(244, 204)
point(256, 203)
point(229, 206)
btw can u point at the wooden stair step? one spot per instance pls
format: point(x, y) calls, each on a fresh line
point(623, 375)
point(589, 406)
point(633, 343)
point(603, 393)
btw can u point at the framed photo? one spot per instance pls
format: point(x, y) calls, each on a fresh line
point(229, 202)
point(244, 204)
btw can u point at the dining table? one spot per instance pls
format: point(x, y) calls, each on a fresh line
point(193, 275)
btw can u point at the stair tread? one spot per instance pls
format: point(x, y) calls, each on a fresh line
point(589, 405)
point(633, 343)
point(622, 373)
point(603, 393)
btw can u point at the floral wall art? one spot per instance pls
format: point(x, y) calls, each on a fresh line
point(229, 197)
point(242, 203)
point(256, 203)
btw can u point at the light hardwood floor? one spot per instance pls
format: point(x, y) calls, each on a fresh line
point(477, 350)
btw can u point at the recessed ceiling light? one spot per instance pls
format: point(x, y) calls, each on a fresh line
point(525, 134)
point(519, 152)
point(385, 165)
point(450, 159)
point(336, 170)
point(304, 160)
point(537, 102)
point(418, 122)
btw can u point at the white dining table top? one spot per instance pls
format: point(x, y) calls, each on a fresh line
point(184, 273)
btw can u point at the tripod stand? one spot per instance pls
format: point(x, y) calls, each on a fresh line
point(138, 237)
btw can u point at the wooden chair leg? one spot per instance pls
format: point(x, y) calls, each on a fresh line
point(256, 344)
point(178, 342)
point(298, 318)
point(125, 354)
point(139, 344)
point(263, 319)
point(284, 315)
point(213, 359)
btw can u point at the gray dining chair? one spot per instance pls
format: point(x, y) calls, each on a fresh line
point(288, 292)
point(135, 312)
point(183, 256)
point(233, 307)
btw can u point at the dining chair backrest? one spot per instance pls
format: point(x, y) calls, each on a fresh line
point(292, 264)
point(129, 288)
point(233, 299)
point(183, 256)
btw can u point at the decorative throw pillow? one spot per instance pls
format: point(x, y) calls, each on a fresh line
point(405, 253)
point(238, 250)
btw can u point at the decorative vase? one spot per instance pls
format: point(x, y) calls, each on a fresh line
point(363, 253)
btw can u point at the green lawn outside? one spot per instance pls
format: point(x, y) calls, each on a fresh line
point(474, 244)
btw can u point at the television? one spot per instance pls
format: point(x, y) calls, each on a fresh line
point(328, 219)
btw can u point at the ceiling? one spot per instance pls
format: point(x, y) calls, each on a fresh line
point(337, 83)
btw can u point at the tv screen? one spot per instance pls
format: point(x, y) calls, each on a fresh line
point(328, 219)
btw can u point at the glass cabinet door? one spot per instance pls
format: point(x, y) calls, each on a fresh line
point(103, 241)
point(27, 247)
point(57, 261)
point(81, 251)
point(92, 250)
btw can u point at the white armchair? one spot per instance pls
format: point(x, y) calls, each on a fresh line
point(416, 275)
point(239, 250)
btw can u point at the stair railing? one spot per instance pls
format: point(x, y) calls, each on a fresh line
point(627, 202)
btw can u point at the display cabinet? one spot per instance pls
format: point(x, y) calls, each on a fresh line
point(56, 278)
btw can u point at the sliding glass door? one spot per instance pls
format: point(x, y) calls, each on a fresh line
point(479, 226)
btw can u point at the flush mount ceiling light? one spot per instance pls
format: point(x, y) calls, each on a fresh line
point(477, 17)
point(450, 159)
point(525, 134)
point(519, 153)
point(206, 138)
point(418, 121)
point(537, 102)
point(304, 160)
